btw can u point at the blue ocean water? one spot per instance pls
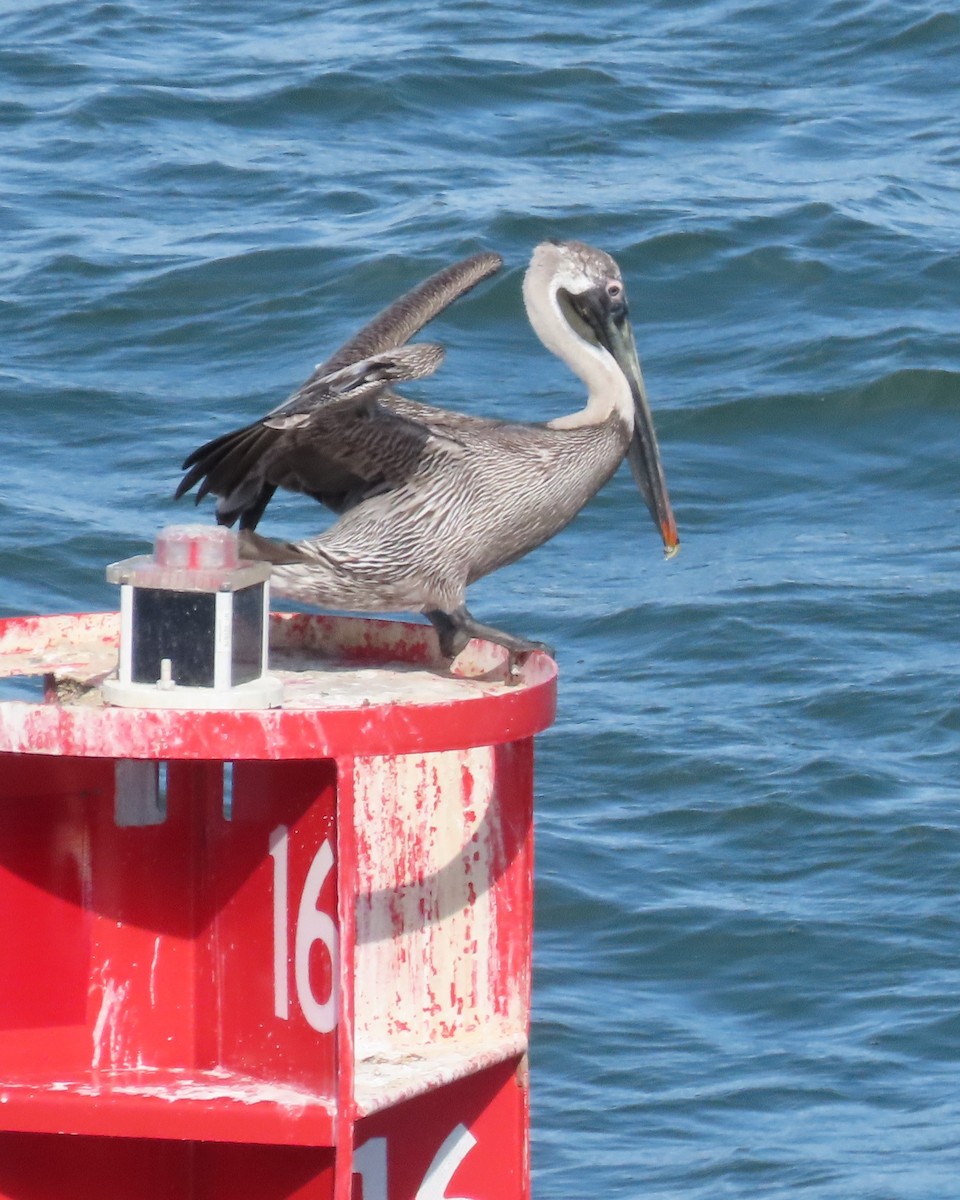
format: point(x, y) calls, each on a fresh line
point(748, 812)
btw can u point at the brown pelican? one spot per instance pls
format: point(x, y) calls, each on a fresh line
point(431, 500)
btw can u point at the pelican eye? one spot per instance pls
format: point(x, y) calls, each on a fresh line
point(615, 295)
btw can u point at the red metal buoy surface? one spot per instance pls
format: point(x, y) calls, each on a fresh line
point(271, 953)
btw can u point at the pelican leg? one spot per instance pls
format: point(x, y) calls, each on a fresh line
point(456, 628)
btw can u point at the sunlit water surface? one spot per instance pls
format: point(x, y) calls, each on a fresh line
point(747, 976)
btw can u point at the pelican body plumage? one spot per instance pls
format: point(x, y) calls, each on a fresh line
point(431, 500)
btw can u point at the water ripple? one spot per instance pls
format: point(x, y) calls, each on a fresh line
point(748, 840)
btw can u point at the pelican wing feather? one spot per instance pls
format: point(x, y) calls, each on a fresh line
point(244, 468)
point(361, 380)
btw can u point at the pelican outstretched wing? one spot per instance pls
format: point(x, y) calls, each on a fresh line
point(244, 468)
point(406, 316)
point(357, 382)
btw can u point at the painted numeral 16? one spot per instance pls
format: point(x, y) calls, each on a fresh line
point(370, 1163)
point(312, 925)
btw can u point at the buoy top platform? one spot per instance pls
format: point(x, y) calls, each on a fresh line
point(195, 666)
point(349, 685)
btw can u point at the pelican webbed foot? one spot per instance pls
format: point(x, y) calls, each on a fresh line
point(456, 628)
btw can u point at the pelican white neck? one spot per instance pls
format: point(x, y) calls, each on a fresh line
point(608, 389)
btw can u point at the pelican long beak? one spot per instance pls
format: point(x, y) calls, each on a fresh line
point(643, 453)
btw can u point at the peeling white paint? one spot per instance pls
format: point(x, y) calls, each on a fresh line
point(153, 972)
point(427, 965)
point(247, 1092)
point(172, 1085)
point(107, 1033)
point(388, 1078)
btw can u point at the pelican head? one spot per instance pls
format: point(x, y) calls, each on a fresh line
point(577, 303)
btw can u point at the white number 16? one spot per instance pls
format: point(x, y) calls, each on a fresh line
point(313, 925)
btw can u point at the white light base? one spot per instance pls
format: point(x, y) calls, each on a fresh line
point(266, 692)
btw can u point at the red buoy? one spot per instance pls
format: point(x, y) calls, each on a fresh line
point(274, 952)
